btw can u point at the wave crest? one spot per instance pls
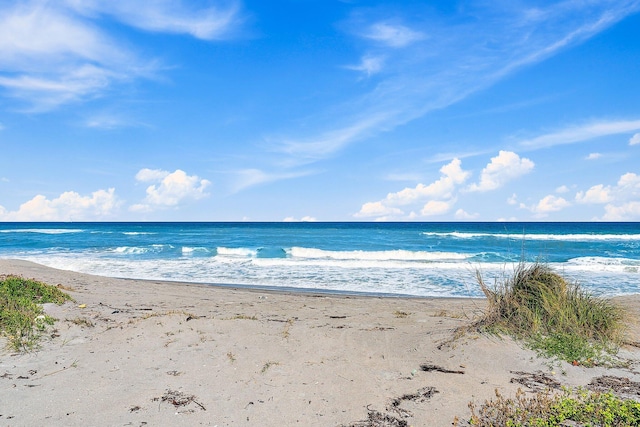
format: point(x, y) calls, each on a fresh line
point(393, 255)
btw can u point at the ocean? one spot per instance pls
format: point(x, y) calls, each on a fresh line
point(392, 259)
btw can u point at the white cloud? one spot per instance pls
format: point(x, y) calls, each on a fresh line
point(621, 199)
point(593, 156)
point(69, 206)
point(547, 204)
point(303, 219)
point(562, 189)
point(635, 139)
point(151, 175)
point(393, 35)
point(437, 207)
point(626, 212)
point(582, 133)
point(438, 196)
point(551, 203)
point(171, 189)
point(452, 175)
point(54, 53)
point(629, 181)
point(368, 64)
point(596, 194)
point(513, 200)
point(49, 57)
point(377, 209)
point(503, 168)
point(462, 214)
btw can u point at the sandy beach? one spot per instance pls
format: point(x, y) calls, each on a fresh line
point(133, 353)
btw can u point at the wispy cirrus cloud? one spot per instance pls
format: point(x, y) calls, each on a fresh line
point(369, 65)
point(108, 120)
point(585, 132)
point(246, 178)
point(392, 35)
point(48, 57)
point(432, 63)
point(54, 52)
point(167, 16)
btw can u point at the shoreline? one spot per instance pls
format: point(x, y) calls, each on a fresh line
point(127, 351)
point(293, 290)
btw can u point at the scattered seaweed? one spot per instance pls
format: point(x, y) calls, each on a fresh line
point(378, 419)
point(242, 317)
point(401, 314)
point(538, 380)
point(421, 395)
point(616, 385)
point(179, 399)
point(381, 419)
point(426, 367)
point(82, 322)
point(267, 365)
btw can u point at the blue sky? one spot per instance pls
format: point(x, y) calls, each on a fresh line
point(166, 110)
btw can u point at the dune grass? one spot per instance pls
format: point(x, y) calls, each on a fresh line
point(22, 318)
point(553, 316)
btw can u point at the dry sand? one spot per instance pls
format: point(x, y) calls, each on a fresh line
point(132, 353)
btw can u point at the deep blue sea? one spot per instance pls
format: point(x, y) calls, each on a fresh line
point(420, 259)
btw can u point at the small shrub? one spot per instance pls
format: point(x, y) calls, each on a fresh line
point(546, 409)
point(21, 314)
point(553, 316)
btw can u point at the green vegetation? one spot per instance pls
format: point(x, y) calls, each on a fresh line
point(554, 317)
point(22, 318)
point(545, 409)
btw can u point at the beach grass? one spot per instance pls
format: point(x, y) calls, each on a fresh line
point(22, 318)
point(553, 316)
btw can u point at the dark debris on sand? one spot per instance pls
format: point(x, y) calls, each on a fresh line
point(617, 385)
point(428, 367)
point(178, 399)
point(379, 419)
point(538, 381)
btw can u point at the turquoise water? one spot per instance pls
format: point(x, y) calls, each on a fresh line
point(421, 259)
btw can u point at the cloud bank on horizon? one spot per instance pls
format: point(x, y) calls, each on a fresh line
point(339, 111)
